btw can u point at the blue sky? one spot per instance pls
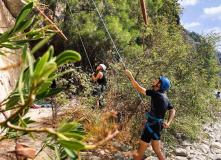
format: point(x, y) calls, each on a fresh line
point(201, 16)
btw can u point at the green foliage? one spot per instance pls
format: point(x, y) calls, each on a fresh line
point(66, 148)
point(195, 36)
point(192, 69)
point(167, 50)
point(154, 6)
point(121, 17)
point(33, 84)
point(7, 39)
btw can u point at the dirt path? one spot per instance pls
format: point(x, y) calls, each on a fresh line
point(42, 117)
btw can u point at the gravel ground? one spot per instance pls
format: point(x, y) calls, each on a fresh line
point(42, 117)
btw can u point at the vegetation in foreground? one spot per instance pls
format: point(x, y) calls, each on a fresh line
point(160, 48)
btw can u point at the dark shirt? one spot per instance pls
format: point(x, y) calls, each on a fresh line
point(102, 81)
point(159, 103)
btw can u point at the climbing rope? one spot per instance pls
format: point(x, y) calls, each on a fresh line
point(79, 36)
point(164, 138)
point(144, 16)
point(109, 35)
point(116, 48)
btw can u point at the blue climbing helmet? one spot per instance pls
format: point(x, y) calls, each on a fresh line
point(165, 83)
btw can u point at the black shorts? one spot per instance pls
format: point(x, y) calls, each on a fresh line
point(147, 135)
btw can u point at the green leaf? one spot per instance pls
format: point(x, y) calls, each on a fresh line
point(59, 75)
point(44, 87)
point(79, 132)
point(65, 127)
point(20, 88)
point(49, 156)
point(41, 64)
point(73, 135)
point(50, 146)
point(16, 120)
point(12, 135)
point(24, 54)
point(19, 43)
point(23, 14)
point(12, 102)
point(57, 153)
point(25, 24)
point(25, 126)
point(42, 95)
point(6, 35)
point(54, 91)
point(70, 153)
point(73, 145)
point(30, 61)
point(40, 44)
point(51, 51)
point(28, 120)
point(49, 68)
point(67, 56)
point(36, 37)
point(10, 46)
point(23, 122)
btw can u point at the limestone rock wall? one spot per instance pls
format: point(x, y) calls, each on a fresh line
point(8, 79)
point(14, 6)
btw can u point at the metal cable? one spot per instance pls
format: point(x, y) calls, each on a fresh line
point(80, 37)
point(114, 45)
point(164, 138)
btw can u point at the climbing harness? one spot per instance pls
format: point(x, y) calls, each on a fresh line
point(155, 119)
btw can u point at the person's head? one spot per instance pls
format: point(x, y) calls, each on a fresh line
point(161, 84)
point(218, 92)
point(101, 67)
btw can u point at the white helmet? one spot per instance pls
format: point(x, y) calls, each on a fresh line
point(103, 66)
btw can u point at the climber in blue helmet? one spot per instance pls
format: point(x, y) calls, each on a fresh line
point(159, 105)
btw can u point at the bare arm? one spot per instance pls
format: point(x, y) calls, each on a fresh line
point(171, 116)
point(135, 84)
point(99, 76)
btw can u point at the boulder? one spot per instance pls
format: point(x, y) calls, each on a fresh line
point(8, 78)
point(94, 158)
point(180, 158)
point(151, 158)
point(181, 152)
point(203, 148)
point(216, 145)
point(14, 6)
point(119, 156)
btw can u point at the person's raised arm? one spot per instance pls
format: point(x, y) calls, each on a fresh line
point(99, 76)
point(171, 116)
point(134, 83)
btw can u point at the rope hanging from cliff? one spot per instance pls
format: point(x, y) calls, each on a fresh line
point(115, 48)
point(78, 30)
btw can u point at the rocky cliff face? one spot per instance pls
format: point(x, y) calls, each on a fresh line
point(8, 78)
point(14, 6)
